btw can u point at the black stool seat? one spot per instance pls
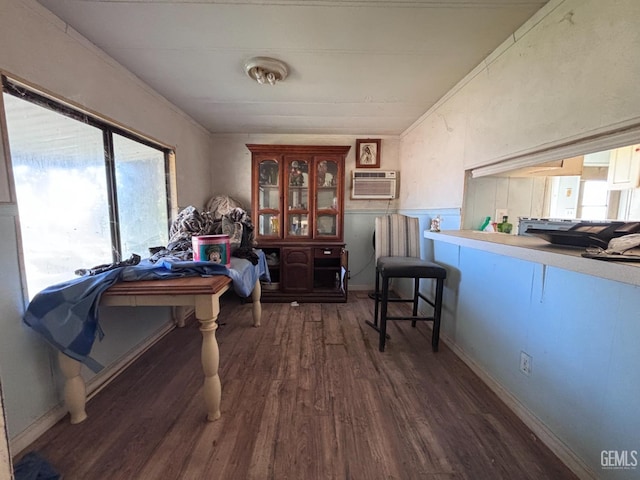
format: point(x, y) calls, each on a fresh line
point(409, 267)
point(388, 268)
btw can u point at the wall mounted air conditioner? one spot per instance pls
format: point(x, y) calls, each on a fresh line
point(377, 184)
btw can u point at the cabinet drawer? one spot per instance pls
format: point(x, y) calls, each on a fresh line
point(327, 252)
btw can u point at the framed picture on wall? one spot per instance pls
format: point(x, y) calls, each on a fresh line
point(368, 153)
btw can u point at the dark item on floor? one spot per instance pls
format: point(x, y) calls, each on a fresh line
point(34, 467)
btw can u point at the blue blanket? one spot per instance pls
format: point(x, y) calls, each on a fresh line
point(66, 314)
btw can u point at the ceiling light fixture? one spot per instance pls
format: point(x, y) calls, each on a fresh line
point(266, 70)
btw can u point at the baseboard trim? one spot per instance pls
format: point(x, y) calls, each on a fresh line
point(94, 386)
point(546, 436)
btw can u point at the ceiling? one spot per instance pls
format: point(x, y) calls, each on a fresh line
point(356, 67)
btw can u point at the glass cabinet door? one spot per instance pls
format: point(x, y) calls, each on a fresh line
point(327, 196)
point(269, 198)
point(297, 193)
point(297, 197)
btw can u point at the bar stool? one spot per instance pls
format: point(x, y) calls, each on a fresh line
point(397, 245)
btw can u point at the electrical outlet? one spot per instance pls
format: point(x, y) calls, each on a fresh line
point(525, 363)
point(501, 212)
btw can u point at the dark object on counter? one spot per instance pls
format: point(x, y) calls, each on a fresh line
point(586, 234)
point(621, 249)
point(612, 257)
point(524, 223)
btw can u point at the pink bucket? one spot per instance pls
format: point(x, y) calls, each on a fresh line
point(212, 248)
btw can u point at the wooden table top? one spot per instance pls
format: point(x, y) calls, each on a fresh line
point(176, 286)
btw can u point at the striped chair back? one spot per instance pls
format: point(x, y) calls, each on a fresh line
point(397, 236)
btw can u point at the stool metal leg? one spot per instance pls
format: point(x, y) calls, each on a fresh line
point(383, 313)
point(377, 304)
point(437, 315)
point(376, 308)
point(416, 291)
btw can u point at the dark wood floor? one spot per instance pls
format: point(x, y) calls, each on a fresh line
point(306, 396)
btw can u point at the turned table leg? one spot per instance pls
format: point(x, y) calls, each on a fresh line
point(179, 314)
point(207, 310)
point(75, 392)
point(257, 306)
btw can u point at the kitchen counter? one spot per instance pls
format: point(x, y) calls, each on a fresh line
point(537, 250)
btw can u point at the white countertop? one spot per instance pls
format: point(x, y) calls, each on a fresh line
point(537, 250)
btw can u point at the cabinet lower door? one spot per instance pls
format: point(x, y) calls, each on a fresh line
point(297, 269)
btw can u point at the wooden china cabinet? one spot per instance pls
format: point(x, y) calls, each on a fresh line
point(297, 202)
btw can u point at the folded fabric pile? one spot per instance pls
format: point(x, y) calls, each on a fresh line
point(223, 216)
point(189, 223)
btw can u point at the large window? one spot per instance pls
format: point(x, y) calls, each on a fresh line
point(88, 193)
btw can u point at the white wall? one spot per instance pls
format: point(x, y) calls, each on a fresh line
point(433, 151)
point(568, 72)
point(41, 50)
